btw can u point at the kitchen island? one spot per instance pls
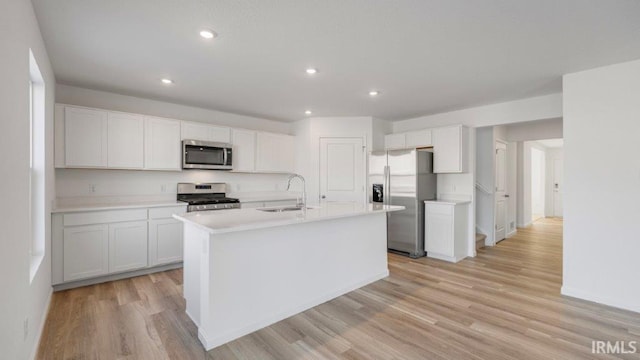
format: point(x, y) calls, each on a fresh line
point(245, 269)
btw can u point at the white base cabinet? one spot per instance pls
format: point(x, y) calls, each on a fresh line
point(93, 244)
point(86, 250)
point(445, 230)
point(127, 246)
point(165, 241)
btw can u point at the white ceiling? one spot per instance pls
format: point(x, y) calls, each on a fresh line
point(552, 143)
point(425, 56)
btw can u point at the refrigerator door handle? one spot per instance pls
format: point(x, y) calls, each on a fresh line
point(387, 186)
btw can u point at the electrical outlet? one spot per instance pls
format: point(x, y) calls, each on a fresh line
point(92, 188)
point(163, 188)
point(25, 328)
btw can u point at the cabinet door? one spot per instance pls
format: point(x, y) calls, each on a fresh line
point(439, 229)
point(127, 246)
point(395, 141)
point(419, 138)
point(162, 144)
point(244, 150)
point(85, 137)
point(447, 152)
point(165, 241)
point(274, 153)
point(125, 141)
point(195, 131)
point(85, 251)
point(205, 132)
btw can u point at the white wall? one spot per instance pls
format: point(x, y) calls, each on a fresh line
point(524, 186)
point(535, 130)
point(105, 100)
point(602, 185)
point(552, 155)
point(538, 176)
point(535, 108)
point(19, 298)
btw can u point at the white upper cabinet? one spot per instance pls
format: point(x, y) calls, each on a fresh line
point(244, 150)
point(395, 141)
point(420, 138)
point(450, 149)
point(274, 153)
point(85, 137)
point(125, 139)
point(205, 132)
point(162, 144)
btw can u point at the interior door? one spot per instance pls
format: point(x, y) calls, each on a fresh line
point(342, 169)
point(500, 194)
point(557, 186)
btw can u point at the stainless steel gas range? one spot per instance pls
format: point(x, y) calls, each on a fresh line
point(206, 196)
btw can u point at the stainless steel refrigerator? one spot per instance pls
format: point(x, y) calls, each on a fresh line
point(406, 178)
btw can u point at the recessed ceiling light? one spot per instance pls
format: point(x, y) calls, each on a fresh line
point(312, 71)
point(167, 81)
point(308, 112)
point(208, 34)
point(374, 93)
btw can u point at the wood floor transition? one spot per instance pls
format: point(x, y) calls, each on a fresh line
point(503, 304)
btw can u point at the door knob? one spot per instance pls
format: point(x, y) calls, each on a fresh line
point(506, 195)
point(323, 197)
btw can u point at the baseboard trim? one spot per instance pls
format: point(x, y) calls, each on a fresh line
point(604, 300)
point(124, 275)
point(36, 346)
point(512, 233)
point(445, 257)
point(211, 343)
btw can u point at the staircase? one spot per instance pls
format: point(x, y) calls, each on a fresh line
point(480, 240)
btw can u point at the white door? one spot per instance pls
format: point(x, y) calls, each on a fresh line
point(85, 251)
point(165, 241)
point(500, 194)
point(342, 169)
point(85, 137)
point(557, 186)
point(162, 147)
point(125, 141)
point(128, 246)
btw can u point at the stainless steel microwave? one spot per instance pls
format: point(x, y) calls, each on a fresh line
point(206, 155)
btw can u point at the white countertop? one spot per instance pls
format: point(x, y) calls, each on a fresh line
point(117, 206)
point(448, 202)
point(220, 222)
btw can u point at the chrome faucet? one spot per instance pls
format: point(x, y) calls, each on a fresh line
point(303, 201)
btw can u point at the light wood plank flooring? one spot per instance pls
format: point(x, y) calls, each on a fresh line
point(503, 304)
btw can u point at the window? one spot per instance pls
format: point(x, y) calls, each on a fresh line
point(36, 165)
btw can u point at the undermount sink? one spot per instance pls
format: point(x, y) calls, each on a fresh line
point(284, 208)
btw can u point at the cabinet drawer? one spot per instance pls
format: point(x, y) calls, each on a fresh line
point(441, 209)
point(103, 217)
point(166, 212)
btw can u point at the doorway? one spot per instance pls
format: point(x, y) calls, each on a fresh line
point(342, 170)
point(537, 183)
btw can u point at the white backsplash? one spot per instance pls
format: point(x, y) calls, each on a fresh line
point(92, 186)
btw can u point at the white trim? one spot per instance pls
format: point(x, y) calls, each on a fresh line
point(512, 233)
point(118, 276)
point(605, 300)
point(211, 343)
point(43, 320)
point(445, 257)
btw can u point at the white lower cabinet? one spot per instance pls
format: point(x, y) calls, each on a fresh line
point(128, 248)
point(165, 241)
point(93, 244)
point(85, 251)
point(446, 230)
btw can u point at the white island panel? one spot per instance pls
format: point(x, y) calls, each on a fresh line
point(248, 277)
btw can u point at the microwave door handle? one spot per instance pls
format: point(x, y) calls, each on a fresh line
point(226, 155)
